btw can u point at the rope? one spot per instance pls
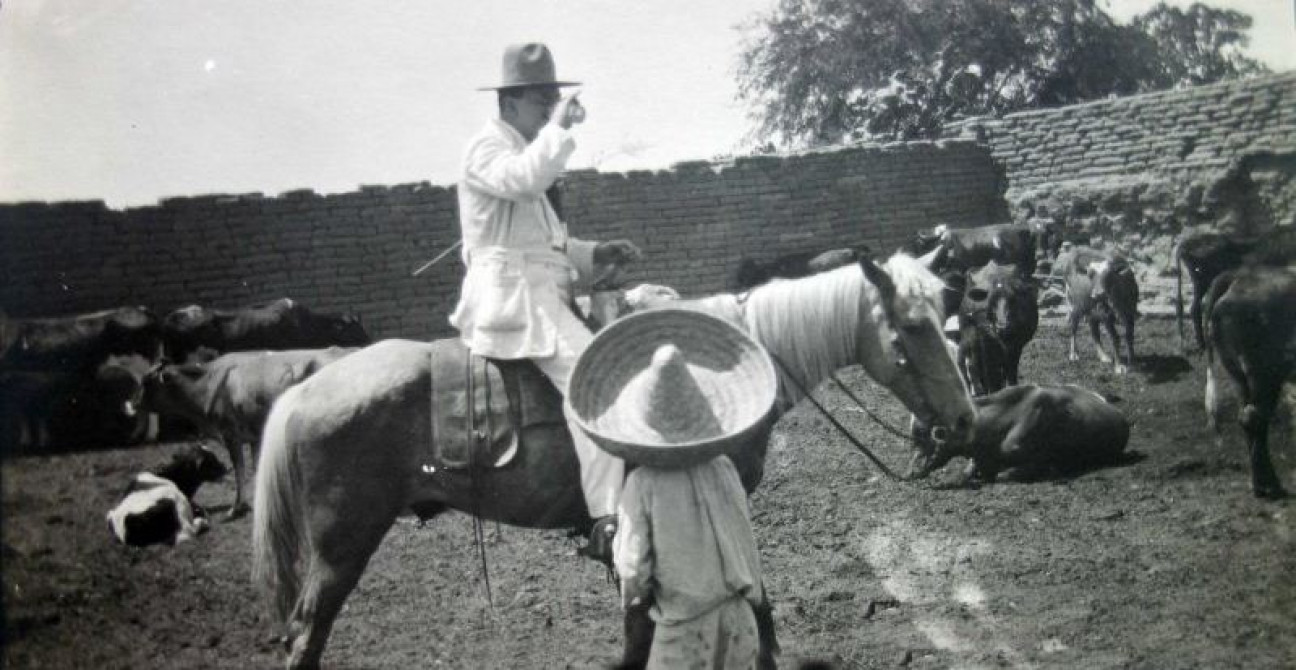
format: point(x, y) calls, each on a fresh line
point(479, 531)
point(859, 446)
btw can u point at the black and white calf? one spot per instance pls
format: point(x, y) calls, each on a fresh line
point(158, 507)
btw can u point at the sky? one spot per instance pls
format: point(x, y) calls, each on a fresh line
point(130, 101)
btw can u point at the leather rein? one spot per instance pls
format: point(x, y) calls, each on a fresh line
point(859, 446)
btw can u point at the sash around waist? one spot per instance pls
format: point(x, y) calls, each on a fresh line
point(529, 256)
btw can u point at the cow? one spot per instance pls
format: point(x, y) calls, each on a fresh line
point(42, 408)
point(1101, 288)
point(277, 325)
point(1250, 327)
point(998, 316)
point(78, 343)
point(967, 248)
point(1204, 256)
point(228, 398)
point(157, 507)
point(1029, 432)
point(752, 273)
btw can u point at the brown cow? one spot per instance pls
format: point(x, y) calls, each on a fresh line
point(997, 319)
point(1250, 326)
point(278, 325)
point(229, 398)
point(1030, 432)
point(967, 248)
point(1101, 288)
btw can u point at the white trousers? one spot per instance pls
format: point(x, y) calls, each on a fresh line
point(602, 474)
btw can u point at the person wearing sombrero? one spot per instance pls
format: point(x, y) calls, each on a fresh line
point(674, 392)
point(515, 301)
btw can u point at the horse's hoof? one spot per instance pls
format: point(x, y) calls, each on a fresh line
point(1121, 369)
point(237, 512)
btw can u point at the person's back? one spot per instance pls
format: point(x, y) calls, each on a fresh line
point(685, 547)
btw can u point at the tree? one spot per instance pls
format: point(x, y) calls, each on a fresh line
point(827, 71)
point(1199, 45)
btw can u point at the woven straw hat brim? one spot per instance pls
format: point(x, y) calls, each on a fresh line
point(731, 386)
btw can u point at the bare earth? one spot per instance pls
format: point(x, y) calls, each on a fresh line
point(1165, 563)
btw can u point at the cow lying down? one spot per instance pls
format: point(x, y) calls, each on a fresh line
point(158, 506)
point(1029, 432)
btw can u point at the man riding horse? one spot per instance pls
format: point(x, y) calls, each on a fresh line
point(516, 298)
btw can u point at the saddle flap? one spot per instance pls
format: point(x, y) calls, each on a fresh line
point(479, 406)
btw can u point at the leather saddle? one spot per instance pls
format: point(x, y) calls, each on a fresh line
point(482, 408)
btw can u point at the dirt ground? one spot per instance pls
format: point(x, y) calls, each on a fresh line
point(1164, 563)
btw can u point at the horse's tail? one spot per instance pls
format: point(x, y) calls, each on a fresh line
point(277, 515)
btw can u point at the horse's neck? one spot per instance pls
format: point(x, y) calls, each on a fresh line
point(808, 342)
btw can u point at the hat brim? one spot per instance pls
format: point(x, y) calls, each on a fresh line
point(505, 87)
point(739, 376)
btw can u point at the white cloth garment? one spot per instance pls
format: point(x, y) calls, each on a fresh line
point(522, 267)
point(684, 538)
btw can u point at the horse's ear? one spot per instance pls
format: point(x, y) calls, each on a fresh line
point(879, 278)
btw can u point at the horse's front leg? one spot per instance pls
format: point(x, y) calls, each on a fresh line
point(639, 628)
point(769, 646)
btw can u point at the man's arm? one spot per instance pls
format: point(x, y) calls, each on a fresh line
point(492, 164)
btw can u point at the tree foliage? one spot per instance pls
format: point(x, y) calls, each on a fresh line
point(827, 71)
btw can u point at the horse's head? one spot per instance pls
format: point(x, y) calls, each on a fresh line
point(912, 357)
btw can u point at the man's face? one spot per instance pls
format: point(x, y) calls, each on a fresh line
point(530, 112)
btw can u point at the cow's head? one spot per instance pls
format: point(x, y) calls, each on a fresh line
point(932, 448)
point(172, 389)
point(348, 331)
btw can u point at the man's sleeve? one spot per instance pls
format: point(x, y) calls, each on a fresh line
point(581, 254)
point(491, 164)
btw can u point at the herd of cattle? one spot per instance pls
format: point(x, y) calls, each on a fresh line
point(1242, 310)
point(106, 377)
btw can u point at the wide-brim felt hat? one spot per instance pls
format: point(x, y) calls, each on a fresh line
point(671, 388)
point(528, 64)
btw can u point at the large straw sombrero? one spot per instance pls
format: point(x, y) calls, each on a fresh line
point(671, 388)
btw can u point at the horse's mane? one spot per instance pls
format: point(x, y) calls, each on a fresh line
point(813, 323)
point(916, 287)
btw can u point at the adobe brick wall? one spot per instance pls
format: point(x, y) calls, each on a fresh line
point(1137, 172)
point(355, 251)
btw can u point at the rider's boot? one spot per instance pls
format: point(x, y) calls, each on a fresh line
point(599, 547)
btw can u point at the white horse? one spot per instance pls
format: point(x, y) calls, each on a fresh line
point(341, 453)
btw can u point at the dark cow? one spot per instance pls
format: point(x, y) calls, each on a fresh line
point(1204, 256)
point(281, 324)
point(752, 273)
point(229, 398)
point(158, 506)
point(998, 317)
point(967, 248)
point(1028, 432)
point(39, 409)
point(78, 343)
point(1250, 326)
point(1103, 289)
